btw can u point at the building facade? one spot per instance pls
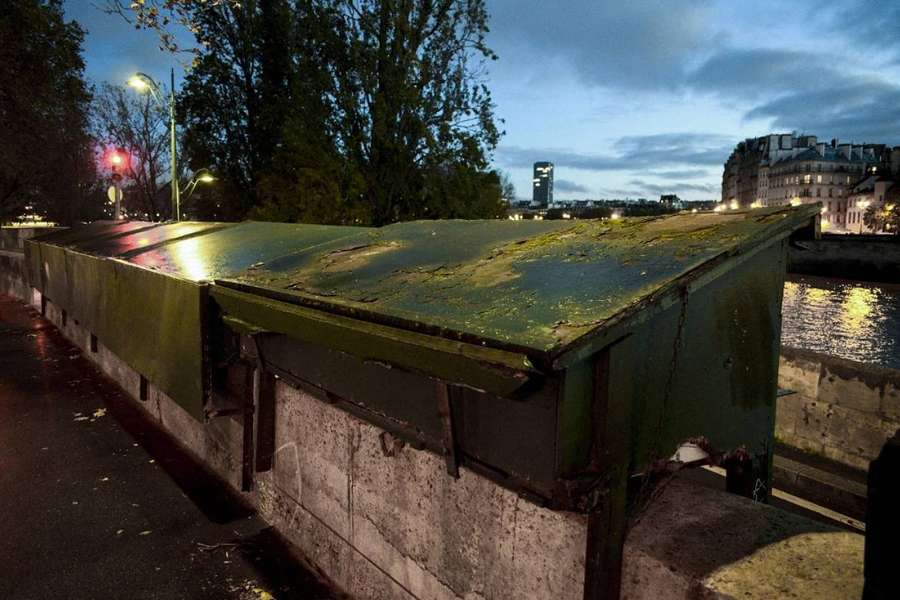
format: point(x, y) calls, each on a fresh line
point(783, 169)
point(542, 185)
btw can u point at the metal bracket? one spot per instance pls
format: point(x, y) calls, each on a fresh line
point(448, 434)
point(264, 403)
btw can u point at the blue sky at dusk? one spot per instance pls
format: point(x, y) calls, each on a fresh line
point(640, 98)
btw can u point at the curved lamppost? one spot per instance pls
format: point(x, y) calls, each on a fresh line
point(202, 176)
point(144, 83)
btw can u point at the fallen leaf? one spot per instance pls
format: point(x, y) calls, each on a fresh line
point(145, 532)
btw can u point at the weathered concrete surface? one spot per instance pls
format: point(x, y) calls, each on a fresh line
point(13, 238)
point(88, 505)
point(430, 534)
point(12, 274)
point(843, 409)
point(694, 542)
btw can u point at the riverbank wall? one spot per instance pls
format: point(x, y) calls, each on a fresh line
point(841, 409)
point(860, 257)
point(384, 520)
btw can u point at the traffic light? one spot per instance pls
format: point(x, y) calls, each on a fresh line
point(117, 160)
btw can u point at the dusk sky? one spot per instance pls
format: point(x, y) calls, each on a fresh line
point(639, 98)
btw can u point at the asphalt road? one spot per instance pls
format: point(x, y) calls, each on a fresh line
point(97, 502)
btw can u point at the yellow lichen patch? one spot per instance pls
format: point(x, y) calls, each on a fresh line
point(811, 565)
point(686, 223)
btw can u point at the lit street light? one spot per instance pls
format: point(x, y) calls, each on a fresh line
point(144, 83)
point(201, 176)
point(862, 204)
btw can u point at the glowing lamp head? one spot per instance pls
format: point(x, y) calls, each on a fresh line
point(115, 159)
point(206, 178)
point(138, 83)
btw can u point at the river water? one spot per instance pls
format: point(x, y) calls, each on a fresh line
point(850, 319)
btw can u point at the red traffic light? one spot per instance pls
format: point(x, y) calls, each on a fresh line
point(116, 159)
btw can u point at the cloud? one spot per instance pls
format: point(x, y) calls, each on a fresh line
point(859, 111)
point(639, 44)
point(873, 26)
point(739, 72)
point(564, 185)
point(770, 68)
point(794, 90)
point(655, 188)
point(631, 153)
point(685, 174)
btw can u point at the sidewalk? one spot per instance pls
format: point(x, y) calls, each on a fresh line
point(95, 502)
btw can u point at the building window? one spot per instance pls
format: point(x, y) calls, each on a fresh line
point(818, 178)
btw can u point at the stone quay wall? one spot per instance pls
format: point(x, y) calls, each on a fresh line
point(842, 409)
point(385, 521)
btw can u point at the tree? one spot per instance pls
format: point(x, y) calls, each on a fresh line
point(883, 218)
point(339, 111)
point(47, 158)
point(507, 189)
point(409, 101)
point(138, 125)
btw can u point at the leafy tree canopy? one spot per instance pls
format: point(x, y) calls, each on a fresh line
point(47, 163)
point(338, 111)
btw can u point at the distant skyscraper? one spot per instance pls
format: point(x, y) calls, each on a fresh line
point(542, 185)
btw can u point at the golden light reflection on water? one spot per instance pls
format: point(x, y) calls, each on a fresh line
point(856, 321)
point(857, 309)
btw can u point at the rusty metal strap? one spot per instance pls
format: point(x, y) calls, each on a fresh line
point(448, 432)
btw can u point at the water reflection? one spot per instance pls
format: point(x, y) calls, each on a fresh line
point(849, 319)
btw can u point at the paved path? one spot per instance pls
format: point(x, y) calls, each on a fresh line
point(97, 503)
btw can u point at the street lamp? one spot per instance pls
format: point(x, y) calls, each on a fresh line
point(144, 83)
point(201, 176)
point(862, 205)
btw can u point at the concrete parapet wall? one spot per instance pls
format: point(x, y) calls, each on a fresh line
point(13, 238)
point(385, 521)
point(842, 409)
point(12, 274)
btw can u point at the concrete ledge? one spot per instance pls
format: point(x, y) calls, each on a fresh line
point(694, 542)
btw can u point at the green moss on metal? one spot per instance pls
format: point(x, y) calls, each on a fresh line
point(534, 285)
